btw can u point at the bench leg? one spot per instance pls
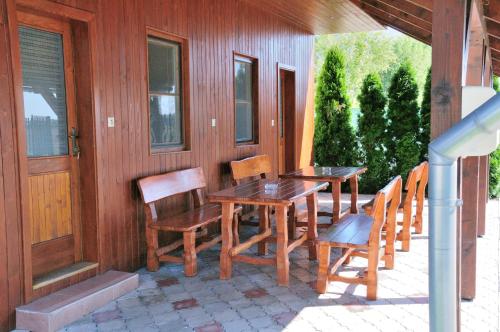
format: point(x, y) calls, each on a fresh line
point(291, 222)
point(236, 229)
point(282, 261)
point(405, 232)
point(226, 264)
point(312, 224)
point(153, 264)
point(263, 226)
point(323, 267)
point(371, 274)
point(190, 253)
point(390, 239)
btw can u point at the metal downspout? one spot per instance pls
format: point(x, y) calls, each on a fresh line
point(475, 135)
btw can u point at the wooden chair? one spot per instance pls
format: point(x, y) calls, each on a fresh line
point(192, 224)
point(250, 169)
point(360, 235)
point(414, 189)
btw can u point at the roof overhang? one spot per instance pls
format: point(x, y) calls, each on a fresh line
point(321, 16)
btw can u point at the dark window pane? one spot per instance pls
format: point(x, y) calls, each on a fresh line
point(243, 72)
point(244, 101)
point(244, 122)
point(166, 121)
point(164, 69)
point(44, 92)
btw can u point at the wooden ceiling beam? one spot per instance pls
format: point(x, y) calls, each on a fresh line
point(426, 4)
point(405, 31)
point(492, 10)
point(496, 66)
point(495, 43)
point(493, 28)
point(495, 54)
point(396, 22)
point(410, 8)
point(395, 11)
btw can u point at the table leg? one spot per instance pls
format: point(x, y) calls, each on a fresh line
point(227, 240)
point(312, 224)
point(336, 195)
point(354, 194)
point(263, 226)
point(282, 245)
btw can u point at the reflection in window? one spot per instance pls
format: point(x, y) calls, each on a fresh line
point(244, 103)
point(44, 92)
point(165, 104)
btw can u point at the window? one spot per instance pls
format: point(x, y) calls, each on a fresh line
point(167, 107)
point(245, 92)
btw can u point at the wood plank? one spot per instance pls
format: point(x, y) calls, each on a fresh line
point(397, 12)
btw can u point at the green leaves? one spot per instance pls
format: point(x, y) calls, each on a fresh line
point(371, 133)
point(334, 140)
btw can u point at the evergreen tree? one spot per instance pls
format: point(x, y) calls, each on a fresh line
point(404, 121)
point(371, 133)
point(425, 117)
point(334, 139)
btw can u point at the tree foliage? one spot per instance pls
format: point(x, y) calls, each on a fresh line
point(404, 123)
point(371, 133)
point(375, 52)
point(334, 138)
point(425, 117)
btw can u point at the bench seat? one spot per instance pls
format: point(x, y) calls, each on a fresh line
point(191, 220)
point(352, 231)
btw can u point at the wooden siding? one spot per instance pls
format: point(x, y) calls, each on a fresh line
point(214, 29)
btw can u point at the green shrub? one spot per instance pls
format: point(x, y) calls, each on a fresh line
point(425, 117)
point(371, 133)
point(334, 139)
point(404, 121)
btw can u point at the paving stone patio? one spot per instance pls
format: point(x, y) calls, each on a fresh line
point(252, 301)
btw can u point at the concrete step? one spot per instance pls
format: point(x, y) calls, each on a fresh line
point(63, 307)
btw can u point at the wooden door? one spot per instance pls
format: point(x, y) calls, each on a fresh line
point(286, 120)
point(51, 142)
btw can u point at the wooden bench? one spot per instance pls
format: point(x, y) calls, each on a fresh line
point(414, 190)
point(192, 224)
point(360, 235)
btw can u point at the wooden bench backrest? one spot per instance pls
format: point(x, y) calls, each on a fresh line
point(416, 183)
point(390, 196)
point(157, 187)
point(252, 167)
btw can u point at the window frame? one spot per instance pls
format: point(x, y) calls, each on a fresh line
point(254, 61)
point(185, 146)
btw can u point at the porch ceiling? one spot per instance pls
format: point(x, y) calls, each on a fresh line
point(321, 16)
point(414, 18)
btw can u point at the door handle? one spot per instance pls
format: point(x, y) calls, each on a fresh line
point(75, 149)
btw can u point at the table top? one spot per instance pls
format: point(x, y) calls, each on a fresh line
point(324, 173)
point(255, 192)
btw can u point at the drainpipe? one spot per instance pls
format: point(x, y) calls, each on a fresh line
point(476, 135)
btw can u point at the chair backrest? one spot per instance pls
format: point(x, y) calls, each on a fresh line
point(157, 187)
point(252, 167)
point(389, 196)
point(416, 184)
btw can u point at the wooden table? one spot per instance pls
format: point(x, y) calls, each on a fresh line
point(335, 176)
point(255, 193)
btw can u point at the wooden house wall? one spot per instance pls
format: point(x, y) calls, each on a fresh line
point(214, 30)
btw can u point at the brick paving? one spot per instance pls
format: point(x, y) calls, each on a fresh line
point(252, 301)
